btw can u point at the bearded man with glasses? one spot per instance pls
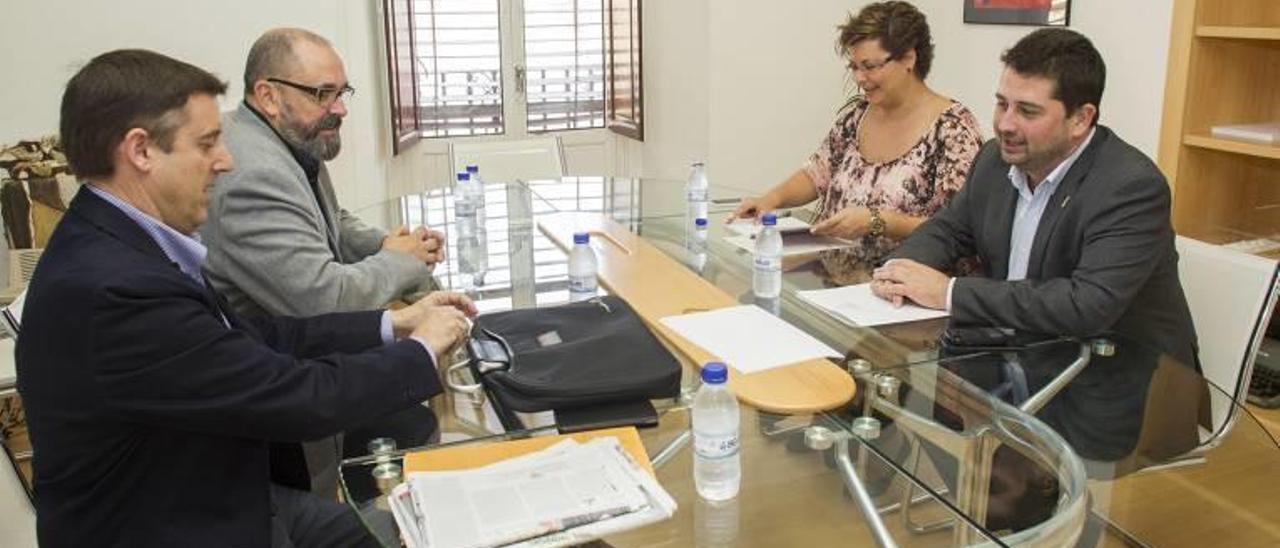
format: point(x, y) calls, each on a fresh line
point(279, 243)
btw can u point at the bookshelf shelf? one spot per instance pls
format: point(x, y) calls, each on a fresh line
point(1233, 146)
point(1243, 33)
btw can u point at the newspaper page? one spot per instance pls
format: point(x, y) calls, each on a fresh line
point(565, 494)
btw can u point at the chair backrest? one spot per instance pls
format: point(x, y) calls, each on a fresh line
point(17, 514)
point(510, 160)
point(1231, 295)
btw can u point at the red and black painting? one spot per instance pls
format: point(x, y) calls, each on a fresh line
point(1018, 12)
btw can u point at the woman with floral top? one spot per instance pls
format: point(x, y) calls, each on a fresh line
point(898, 151)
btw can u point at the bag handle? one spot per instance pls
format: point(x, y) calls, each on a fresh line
point(486, 358)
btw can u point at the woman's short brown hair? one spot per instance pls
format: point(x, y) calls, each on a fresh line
point(899, 27)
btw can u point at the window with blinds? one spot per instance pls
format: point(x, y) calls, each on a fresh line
point(459, 53)
point(564, 64)
point(576, 64)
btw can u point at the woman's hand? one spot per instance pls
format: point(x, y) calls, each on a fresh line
point(848, 223)
point(750, 208)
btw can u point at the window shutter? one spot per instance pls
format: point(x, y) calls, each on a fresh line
point(402, 73)
point(624, 106)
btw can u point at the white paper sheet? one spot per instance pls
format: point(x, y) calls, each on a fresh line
point(792, 244)
point(747, 338)
point(857, 305)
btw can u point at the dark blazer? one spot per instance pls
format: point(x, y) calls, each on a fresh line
point(150, 419)
point(1103, 258)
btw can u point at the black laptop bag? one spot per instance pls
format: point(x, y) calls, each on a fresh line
point(578, 355)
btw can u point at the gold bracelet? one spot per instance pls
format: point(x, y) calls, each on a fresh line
point(877, 226)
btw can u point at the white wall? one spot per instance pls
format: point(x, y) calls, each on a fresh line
point(37, 60)
point(752, 86)
point(1133, 37)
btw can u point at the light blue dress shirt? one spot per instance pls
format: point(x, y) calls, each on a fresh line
point(1026, 216)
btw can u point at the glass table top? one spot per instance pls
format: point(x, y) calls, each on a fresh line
point(1104, 441)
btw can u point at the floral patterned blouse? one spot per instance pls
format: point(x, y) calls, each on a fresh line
point(918, 183)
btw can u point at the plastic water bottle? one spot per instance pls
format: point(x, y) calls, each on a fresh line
point(698, 245)
point(582, 269)
point(475, 192)
point(717, 464)
point(697, 192)
point(698, 241)
point(471, 254)
point(766, 282)
point(464, 210)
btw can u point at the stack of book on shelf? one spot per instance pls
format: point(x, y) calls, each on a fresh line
point(566, 494)
point(1267, 133)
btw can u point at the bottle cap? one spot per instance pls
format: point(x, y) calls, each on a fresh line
point(581, 237)
point(700, 221)
point(715, 373)
point(769, 219)
point(473, 168)
point(464, 176)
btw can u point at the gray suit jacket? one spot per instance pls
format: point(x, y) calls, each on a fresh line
point(270, 248)
point(1103, 258)
point(272, 252)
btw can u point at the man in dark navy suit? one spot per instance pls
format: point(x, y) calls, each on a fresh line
point(151, 404)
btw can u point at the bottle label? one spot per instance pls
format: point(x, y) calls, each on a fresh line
point(768, 264)
point(709, 446)
point(463, 208)
point(697, 195)
point(582, 284)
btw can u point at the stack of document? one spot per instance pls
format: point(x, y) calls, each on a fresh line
point(858, 306)
point(796, 239)
point(566, 494)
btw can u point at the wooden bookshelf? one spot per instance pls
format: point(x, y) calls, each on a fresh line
point(1224, 65)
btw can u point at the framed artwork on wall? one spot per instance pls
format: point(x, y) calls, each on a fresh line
point(1054, 13)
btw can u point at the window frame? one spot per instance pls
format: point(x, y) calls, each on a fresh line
point(626, 121)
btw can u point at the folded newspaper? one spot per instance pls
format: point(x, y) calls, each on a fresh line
point(563, 495)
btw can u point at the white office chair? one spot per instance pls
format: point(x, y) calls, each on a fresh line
point(17, 514)
point(510, 160)
point(1231, 295)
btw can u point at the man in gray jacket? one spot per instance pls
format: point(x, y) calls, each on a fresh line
point(278, 242)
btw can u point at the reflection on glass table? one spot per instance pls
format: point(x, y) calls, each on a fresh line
point(998, 446)
point(525, 268)
point(792, 493)
point(1171, 460)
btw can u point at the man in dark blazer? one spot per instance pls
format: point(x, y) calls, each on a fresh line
point(1071, 223)
point(150, 402)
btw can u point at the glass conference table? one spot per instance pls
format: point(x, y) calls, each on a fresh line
point(1053, 442)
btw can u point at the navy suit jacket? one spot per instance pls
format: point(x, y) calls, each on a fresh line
point(1103, 257)
point(150, 418)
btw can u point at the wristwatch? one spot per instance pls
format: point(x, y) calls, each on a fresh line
point(876, 228)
